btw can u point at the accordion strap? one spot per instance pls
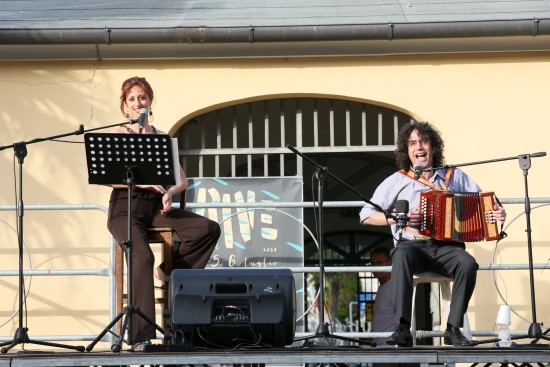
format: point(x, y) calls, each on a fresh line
point(448, 174)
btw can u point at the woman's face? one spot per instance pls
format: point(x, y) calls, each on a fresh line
point(136, 99)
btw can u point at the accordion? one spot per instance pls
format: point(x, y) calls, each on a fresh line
point(465, 217)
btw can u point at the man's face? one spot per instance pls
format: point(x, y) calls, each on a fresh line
point(380, 260)
point(420, 150)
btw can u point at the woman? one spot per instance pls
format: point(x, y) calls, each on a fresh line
point(152, 207)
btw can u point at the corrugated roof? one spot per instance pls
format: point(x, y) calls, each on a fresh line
point(67, 14)
point(124, 29)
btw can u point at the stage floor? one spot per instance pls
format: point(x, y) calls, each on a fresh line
point(524, 354)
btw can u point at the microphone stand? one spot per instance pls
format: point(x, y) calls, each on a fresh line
point(321, 173)
point(21, 334)
point(524, 160)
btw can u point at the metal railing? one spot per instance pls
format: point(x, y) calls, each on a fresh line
point(110, 271)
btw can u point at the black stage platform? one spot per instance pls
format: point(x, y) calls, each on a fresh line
point(516, 356)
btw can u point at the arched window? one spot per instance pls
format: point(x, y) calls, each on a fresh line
point(353, 139)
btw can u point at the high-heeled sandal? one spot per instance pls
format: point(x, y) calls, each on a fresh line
point(140, 346)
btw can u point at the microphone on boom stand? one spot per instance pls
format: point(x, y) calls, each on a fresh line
point(401, 218)
point(418, 170)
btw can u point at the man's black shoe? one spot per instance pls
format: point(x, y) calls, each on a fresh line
point(401, 337)
point(453, 336)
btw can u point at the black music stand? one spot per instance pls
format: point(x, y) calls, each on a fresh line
point(128, 159)
point(22, 333)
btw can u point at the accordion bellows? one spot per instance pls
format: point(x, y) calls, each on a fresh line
point(465, 216)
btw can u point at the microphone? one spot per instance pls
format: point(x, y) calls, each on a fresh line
point(401, 219)
point(142, 117)
point(417, 170)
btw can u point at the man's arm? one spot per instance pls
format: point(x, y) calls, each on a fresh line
point(378, 219)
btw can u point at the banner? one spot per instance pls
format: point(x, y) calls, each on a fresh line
point(254, 237)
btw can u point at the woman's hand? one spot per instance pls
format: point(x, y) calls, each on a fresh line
point(166, 196)
point(155, 188)
point(166, 203)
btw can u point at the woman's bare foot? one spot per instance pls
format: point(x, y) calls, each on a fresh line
point(159, 274)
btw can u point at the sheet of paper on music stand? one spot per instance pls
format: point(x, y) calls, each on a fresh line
point(176, 160)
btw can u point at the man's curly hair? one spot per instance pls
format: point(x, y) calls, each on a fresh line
point(425, 131)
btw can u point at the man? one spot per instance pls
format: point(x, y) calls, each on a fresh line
point(382, 315)
point(420, 146)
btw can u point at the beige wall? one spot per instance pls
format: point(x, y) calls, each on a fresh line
point(487, 106)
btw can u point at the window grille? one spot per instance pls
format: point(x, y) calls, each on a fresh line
point(250, 139)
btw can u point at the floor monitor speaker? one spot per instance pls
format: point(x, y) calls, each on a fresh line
point(232, 307)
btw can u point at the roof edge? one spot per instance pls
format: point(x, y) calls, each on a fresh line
point(258, 34)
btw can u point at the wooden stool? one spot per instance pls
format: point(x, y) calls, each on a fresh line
point(444, 284)
point(165, 236)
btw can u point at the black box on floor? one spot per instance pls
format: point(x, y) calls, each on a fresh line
point(233, 306)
